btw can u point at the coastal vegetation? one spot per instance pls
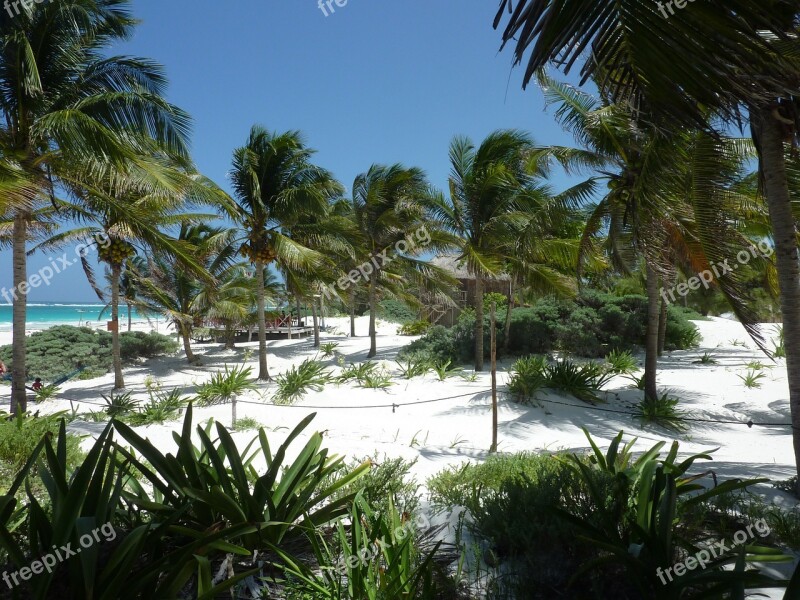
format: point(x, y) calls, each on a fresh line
point(578, 282)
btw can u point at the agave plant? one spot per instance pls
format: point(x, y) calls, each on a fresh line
point(382, 560)
point(216, 483)
point(528, 377)
point(140, 553)
point(636, 529)
point(297, 381)
point(226, 387)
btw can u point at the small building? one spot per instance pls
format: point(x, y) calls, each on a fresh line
point(464, 297)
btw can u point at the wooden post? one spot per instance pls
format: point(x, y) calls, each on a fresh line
point(493, 343)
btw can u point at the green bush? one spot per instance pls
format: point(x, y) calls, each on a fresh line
point(395, 311)
point(388, 481)
point(591, 326)
point(138, 344)
point(528, 376)
point(509, 499)
point(60, 350)
point(414, 328)
point(295, 383)
point(500, 301)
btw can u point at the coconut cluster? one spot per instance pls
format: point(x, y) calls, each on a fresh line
point(116, 252)
point(265, 254)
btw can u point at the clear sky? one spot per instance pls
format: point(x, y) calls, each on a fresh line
point(374, 82)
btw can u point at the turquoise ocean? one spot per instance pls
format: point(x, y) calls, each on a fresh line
point(46, 314)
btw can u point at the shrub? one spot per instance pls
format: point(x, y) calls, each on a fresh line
point(581, 381)
point(297, 381)
point(528, 376)
point(590, 326)
point(414, 328)
point(379, 380)
point(622, 362)
point(138, 344)
point(223, 387)
point(63, 349)
point(500, 301)
point(395, 311)
point(20, 435)
point(509, 499)
point(390, 561)
point(413, 367)
point(119, 405)
point(328, 349)
point(445, 369)
point(162, 407)
point(358, 372)
point(388, 480)
point(662, 411)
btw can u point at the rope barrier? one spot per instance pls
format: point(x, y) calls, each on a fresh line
point(395, 405)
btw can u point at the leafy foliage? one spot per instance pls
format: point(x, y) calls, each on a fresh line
point(584, 382)
point(413, 367)
point(414, 328)
point(663, 411)
point(387, 561)
point(217, 483)
point(223, 386)
point(60, 350)
point(297, 381)
point(622, 362)
point(587, 327)
point(528, 377)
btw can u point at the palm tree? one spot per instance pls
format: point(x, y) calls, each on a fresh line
point(669, 198)
point(707, 59)
point(126, 212)
point(485, 214)
point(166, 287)
point(389, 207)
point(275, 183)
point(63, 102)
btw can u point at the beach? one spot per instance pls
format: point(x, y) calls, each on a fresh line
point(439, 424)
point(442, 423)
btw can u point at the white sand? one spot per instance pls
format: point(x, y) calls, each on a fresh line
point(449, 432)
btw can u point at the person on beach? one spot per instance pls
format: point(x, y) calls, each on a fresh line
point(5, 375)
point(37, 384)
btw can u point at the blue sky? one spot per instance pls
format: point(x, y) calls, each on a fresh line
point(374, 82)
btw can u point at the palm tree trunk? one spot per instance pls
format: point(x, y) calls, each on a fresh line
point(119, 382)
point(352, 314)
point(187, 345)
point(19, 397)
point(776, 183)
point(662, 328)
point(373, 309)
point(478, 322)
point(130, 320)
point(507, 325)
point(651, 340)
point(263, 372)
point(316, 321)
